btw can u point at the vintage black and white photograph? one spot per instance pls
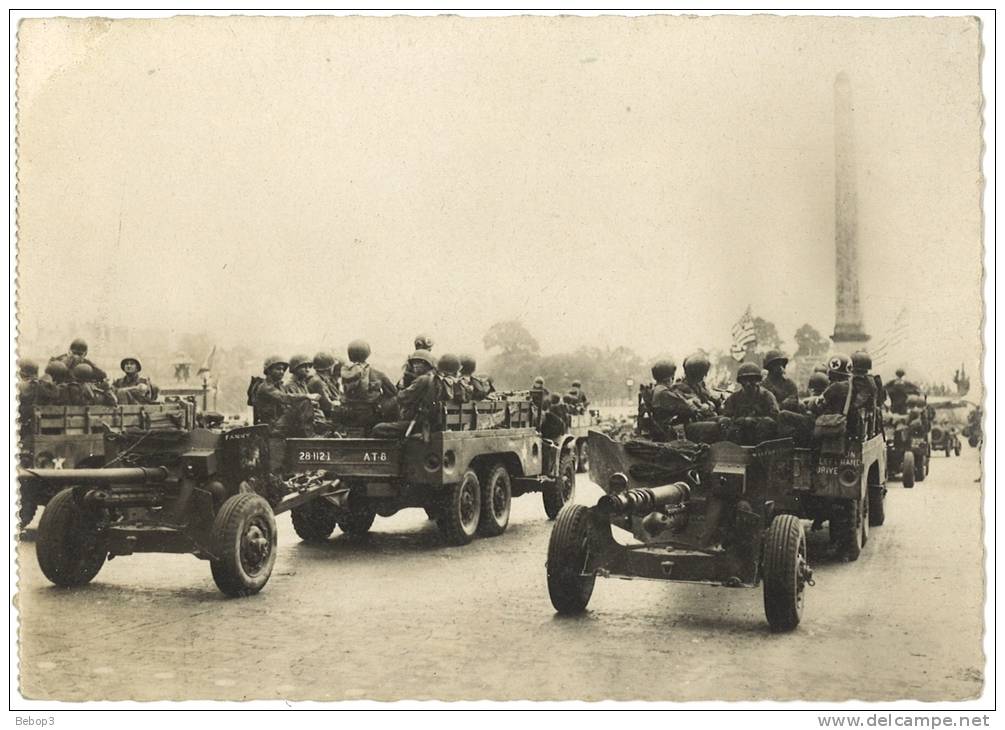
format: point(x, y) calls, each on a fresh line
point(514, 357)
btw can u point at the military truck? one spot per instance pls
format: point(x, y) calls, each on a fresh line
point(908, 449)
point(579, 427)
point(464, 475)
point(63, 437)
point(209, 493)
point(710, 518)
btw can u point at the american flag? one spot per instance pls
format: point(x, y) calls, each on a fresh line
point(743, 335)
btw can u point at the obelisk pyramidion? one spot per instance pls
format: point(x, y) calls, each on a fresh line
point(848, 328)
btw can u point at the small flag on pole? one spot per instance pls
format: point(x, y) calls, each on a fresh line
point(743, 335)
point(207, 364)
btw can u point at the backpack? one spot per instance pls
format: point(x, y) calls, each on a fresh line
point(253, 386)
point(356, 383)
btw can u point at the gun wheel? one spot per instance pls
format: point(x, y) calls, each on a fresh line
point(569, 586)
point(244, 535)
point(462, 505)
point(70, 549)
point(497, 496)
point(786, 573)
point(561, 491)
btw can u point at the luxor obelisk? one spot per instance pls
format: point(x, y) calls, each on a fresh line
point(848, 328)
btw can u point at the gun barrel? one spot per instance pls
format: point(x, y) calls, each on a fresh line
point(643, 500)
point(118, 475)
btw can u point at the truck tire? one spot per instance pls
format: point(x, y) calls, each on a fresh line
point(877, 505)
point(921, 468)
point(556, 494)
point(907, 470)
point(568, 552)
point(356, 523)
point(784, 570)
point(852, 530)
point(582, 457)
point(70, 549)
point(957, 448)
point(497, 497)
point(461, 510)
point(244, 538)
point(314, 521)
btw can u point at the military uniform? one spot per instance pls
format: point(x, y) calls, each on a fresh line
point(782, 388)
point(670, 408)
point(325, 386)
point(759, 404)
point(71, 361)
point(898, 390)
point(133, 388)
point(478, 387)
point(286, 414)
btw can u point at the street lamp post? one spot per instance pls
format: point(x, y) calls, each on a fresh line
point(628, 384)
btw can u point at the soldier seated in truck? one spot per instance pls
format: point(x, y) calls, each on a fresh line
point(132, 388)
point(286, 414)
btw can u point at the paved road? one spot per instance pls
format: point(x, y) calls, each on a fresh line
point(402, 616)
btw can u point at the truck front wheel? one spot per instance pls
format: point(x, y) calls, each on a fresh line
point(70, 548)
point(785, 573)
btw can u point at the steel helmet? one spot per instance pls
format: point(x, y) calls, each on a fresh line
point(577, 384)
point(423, 356)
point(323, 361)
point(749, 371)
point(538, 382)
point(82, 372)
point(298, 361)
point(900, 372)
point(663, 369)
point(818, 383)
point(696, 366)
point(359, 350)
point(839, 366)
point(78, 346)
point(423, 342)
point(861, 362)
point(28, 368)
point(122, 365)
point(449, 364)
point(774, 356)
point(274, 360)
point(468, 365)
point(57, 370)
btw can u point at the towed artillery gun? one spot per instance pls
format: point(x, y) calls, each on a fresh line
point(714, 522)
point(464, 474)
point(199, 491)
point(63, 437)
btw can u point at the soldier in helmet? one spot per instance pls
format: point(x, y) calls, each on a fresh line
point(479, 387)
point(668, 407)
point(361, 382)
point(132, 387)
point(325, 382)
point(300, 373)
point(58, 377)
point(540, 398)
point(785, 391)
point(78, 355)
point(414, 403)
point(31, 392)
point(577, 392)
point(422, 342)
point(836, 399)
point(448, 376)
point(694, 388)
point(813, 403)
point(287, 414)
point(752, 400)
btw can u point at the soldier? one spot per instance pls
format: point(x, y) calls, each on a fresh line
point(448, 375)
point(422, 342)
point(414, 403)
point(29, 394)
point(580, 395)
point(836, 397)
point(362, 383)
point(785, 391)
point(693, 386)
point(479, 387)
point(132, 388)
point(300, 371)
point(59, 379)
point(540, 398)
point(78, 355)
point(898, 391)
point(325, 382)
point(668, 406)
point(751, 401)
point(286, 414)
point(818, 383)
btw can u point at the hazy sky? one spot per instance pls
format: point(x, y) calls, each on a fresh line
point(608, 181)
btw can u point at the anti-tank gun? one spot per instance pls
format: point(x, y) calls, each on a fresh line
point(204, 492)
point(702, 515)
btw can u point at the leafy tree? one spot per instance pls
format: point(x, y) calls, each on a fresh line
point(511, 337)
point(809, 342)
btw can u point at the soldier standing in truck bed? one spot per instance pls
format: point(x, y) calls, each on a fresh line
point(325, 382)
point(783, 388)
